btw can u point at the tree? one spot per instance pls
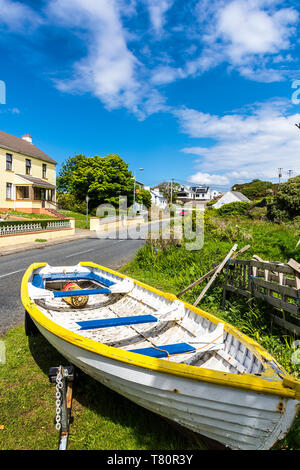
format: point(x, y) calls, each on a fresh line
point(103, 179)
point(165, 188)
point(287, 201)
point(65, 175)
point(144, 197)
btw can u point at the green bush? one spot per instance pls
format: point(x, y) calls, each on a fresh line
point(69, 202)
point(286, 204)
point(234, 209)
point(256, 189)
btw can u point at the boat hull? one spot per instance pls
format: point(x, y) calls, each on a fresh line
point(236, 418)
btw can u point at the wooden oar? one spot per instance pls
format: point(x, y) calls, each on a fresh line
point(205, 276)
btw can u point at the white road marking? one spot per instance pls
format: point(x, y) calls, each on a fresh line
point(79, 253)
point(92, 249)
point(13, 272)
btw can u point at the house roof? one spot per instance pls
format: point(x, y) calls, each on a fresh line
point(157, 194)
point(37, 182)
point(199, 189)
point(15, 144)
point(240, 196)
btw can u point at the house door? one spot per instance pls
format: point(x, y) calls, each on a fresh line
point(43, 197)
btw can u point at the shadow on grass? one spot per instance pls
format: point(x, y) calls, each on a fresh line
point(150, 430)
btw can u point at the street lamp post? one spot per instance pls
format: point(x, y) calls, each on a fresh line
point(134, 184)
point(87, 211)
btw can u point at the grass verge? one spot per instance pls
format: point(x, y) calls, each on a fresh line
point(103, 420)
point(80, 219)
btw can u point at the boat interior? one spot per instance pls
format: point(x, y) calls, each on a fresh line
point(128, 316)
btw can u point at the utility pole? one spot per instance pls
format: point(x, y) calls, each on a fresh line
point(290, 172)
point(172, 179)
point(279, 174)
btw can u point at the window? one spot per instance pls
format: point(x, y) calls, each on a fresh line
point(22, 192)
point(28, 166)
point(9, 161)
point(44, 170)
point(8, 190)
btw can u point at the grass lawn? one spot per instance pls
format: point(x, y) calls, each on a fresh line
point(103, 420)
point(28, 215)
point(80, 219)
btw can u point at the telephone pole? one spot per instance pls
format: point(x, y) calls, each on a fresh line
point(279, 174)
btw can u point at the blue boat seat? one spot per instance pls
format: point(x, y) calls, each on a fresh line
point(77, 293)
point(119, 321)
point(78, 277)
point(165, 350)
point(39, 279)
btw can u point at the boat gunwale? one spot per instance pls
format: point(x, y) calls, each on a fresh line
point(247, 381)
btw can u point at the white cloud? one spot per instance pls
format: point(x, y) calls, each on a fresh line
point(208, 179)
point(246, 145)
point(165, 74)
point(249, 29)
point(244, 34)
point(110, 71)
point(157, 10)
point(17, 16)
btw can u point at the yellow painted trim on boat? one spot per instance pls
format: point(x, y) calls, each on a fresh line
point(289, 387)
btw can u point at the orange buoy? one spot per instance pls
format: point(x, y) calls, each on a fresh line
point(78, 301)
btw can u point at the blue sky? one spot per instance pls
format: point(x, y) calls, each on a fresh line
point(195, 90)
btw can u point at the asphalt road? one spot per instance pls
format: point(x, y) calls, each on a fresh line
point(110, 253)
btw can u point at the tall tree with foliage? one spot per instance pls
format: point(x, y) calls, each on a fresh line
point(102, 179)
point(165, 188)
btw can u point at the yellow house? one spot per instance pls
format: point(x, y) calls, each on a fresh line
point(27, 176)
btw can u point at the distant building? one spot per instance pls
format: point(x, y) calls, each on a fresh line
point(157, 198)
point(196, 193)
point(214, 194)
point(230, 196)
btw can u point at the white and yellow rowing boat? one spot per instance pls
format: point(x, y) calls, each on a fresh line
point(162, 353)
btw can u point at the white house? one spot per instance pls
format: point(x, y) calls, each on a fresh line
point(196, 193)
point(157, 197)
point(230, 196)
point(214, 193)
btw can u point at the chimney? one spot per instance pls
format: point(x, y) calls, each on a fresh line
point(27, 137)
